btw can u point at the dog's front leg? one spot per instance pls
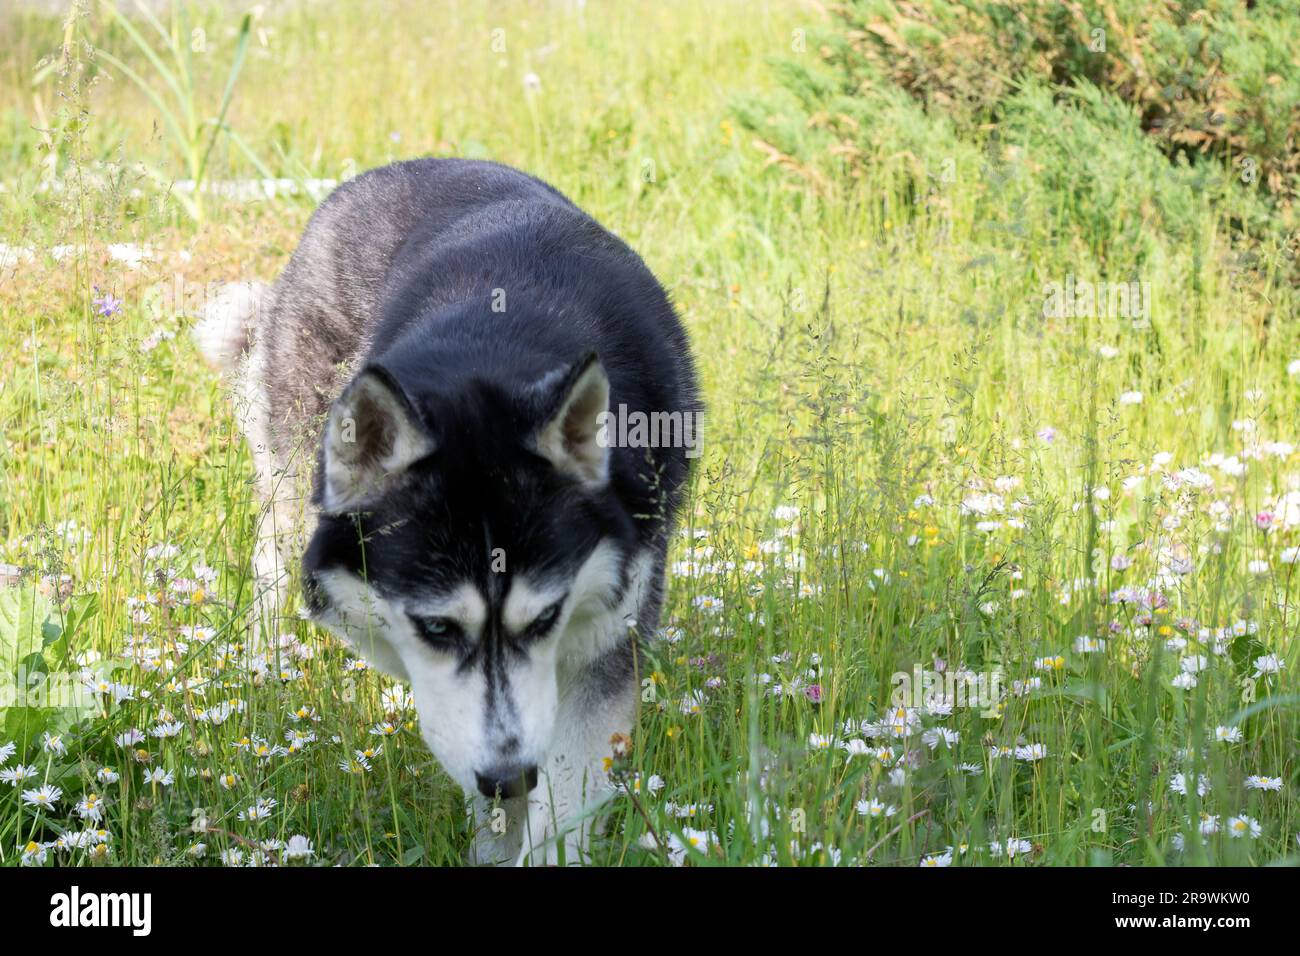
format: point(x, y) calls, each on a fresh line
point(521, 831)
point(575, 778)
point(552, 819)
point(499, 827)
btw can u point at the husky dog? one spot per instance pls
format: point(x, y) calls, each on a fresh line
point(425, 390)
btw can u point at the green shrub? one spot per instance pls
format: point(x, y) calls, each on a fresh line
point(1214, 78)
point(1112, 124)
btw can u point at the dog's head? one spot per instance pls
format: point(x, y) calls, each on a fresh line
point(468, 538)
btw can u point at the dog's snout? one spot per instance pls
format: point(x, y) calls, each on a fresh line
point(506, 781)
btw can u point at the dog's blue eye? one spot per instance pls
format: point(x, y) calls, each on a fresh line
point(546, 618)
point(437, 628)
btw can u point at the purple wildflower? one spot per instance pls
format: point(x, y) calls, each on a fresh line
point(107, 305)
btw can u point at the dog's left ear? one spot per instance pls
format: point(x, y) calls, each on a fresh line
point(575, 402)
point(373, 434)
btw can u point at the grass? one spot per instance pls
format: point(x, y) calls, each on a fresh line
point(906, 463)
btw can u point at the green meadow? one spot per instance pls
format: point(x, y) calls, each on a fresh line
point(990, 556)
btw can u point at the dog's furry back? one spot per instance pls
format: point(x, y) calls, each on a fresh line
point(403, 241)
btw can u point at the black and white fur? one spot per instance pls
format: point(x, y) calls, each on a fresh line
point(421, 391)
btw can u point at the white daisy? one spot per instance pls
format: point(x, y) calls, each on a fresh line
point(1243, 826)
point(44, 796)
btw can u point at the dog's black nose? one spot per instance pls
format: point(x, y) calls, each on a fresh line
point(506, 781)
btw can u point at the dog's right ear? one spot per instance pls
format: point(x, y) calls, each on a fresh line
point(373, 434)
point(572, 436)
